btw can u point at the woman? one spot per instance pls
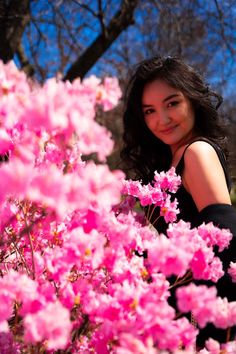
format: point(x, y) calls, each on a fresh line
point(171, 119)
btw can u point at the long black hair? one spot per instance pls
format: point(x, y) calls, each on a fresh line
point(143, 153)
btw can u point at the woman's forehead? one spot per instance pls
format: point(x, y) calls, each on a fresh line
point(159, 89)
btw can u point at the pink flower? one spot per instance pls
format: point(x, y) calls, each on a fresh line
point(7, 345)
point(101, 187)
point(48, 187)
point(15, 287)
point(133, 188)
point(213, 346)
point(129, 344)
point(95, 139)
point(47, 106)
point(232, 271)
point(215, 236)
point(179, 331)
point(229, 347)
point(222, 316)
point(225, 316)
point(52, 324)
point(205, 266)
point(15, 179)
point(90, 83)
point(147, 194)
point(164, 255)
point(201, 300)
point(109, 93)
point(6, 309)
point(167, 181)
point(89, 246)
point(169, 210)
point(6, 143)
point(4, 327)
point(214, 270)
point(172, 254)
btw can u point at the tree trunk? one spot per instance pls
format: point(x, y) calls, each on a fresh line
point(14, 16)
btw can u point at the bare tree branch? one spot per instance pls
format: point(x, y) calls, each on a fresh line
point(101, 18)
point(121, 20)
point(64, 22)
point(86, 7)
point(221, 19)
point(25, 64)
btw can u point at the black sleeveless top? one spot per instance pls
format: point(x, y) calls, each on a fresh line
point(186, 204)
point(223, 216)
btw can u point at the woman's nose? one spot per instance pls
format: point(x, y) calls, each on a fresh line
point(164, 117)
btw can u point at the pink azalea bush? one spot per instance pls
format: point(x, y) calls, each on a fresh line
point(82, 269)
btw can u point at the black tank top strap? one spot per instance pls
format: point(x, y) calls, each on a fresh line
point(220, 154)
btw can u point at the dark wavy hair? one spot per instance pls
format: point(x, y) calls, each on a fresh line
point(143, 153)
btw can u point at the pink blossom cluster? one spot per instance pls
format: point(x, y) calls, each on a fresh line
point(185, 250)
point(157, 193)
point(202, 301)
point(232, 271)
point(81, 269)
point(213, 347)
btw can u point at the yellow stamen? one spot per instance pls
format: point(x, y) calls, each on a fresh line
point(144, 273)
point(88, 252)
point(134, 304)
point(77, 300)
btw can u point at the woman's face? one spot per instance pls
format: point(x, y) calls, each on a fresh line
point(168, 114)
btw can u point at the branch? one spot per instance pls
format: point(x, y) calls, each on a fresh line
point(121, 20)
point(25, 64)
point(222, 31)
point(64, 22)
point(85, 7)
point(101, 18)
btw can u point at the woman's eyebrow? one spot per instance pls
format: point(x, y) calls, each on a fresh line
point(146, 105)
point(165, 99)
point(171, 96)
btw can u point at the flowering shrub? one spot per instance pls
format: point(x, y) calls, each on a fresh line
point(81, 269)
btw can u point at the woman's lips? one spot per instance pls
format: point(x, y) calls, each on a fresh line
point(168, 130)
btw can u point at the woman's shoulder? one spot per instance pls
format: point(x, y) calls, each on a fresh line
point(198, 151)
point(202, 158)
point(204, 176)
point(201, 150)
point(207, 154)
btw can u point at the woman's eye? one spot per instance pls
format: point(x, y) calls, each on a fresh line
point(172, 104)
point(148, 111)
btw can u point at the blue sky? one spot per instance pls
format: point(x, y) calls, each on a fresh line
point(48, 54)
